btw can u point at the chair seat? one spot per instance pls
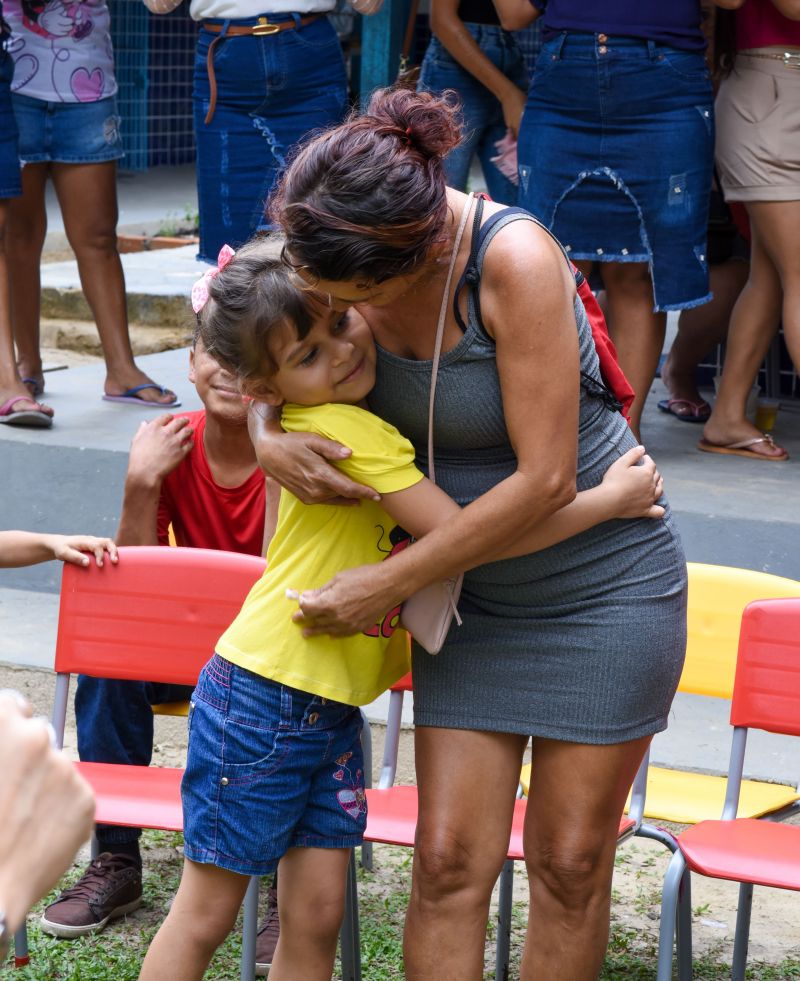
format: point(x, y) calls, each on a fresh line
point(688, 798)
point(764, 853)
point(136, 796)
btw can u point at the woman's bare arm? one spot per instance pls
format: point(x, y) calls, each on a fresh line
point(448, 27)
point(515, 15)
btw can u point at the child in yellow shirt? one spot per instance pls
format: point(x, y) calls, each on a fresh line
point(275, 771)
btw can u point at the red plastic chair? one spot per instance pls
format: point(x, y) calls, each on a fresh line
point(156, 616)
point(766, 696)
point(392, 820)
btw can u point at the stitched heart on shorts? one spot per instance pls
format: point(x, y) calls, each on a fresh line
point(87, 86)
point(25, 68)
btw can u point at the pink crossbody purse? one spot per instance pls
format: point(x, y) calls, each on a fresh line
point(428, 613)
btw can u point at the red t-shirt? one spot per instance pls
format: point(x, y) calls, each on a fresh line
point(205, 515)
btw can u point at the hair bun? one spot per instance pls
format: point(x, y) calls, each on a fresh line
point(427, 123)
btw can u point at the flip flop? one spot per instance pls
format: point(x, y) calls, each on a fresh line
point(33, 418)
point(698, 411)
point(131, 397)
point(742, 448)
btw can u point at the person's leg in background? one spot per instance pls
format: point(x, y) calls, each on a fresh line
point(700, 330)
point(753, 324)
point(87, 194)
point(115, 725)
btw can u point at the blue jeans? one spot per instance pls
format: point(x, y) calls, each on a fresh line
point(481, 111)
point(115, 725)
point(271, 91)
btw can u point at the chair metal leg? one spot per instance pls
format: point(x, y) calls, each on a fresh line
point(350, 936)
point(21, 957)
point(683, 928)
point(94, 848)
point(504, 921)
point(669, 909)
point(742, 936)
point(657, 834)
point(249, 931)
point(366, 748)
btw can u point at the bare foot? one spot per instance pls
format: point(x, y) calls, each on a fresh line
point(718, 435)
point(123, 382)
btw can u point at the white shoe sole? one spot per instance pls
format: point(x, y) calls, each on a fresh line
point(70, 932)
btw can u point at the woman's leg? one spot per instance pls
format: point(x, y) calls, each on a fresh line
point(311, 906)
point(87, 194)
point(637, 332)
point(701, 329)
point(27, 226)
point(576, 800)
point(467, 782)
point(753, 324)
point(201, 917)
point(11, 385)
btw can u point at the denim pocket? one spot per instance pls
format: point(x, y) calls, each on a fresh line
point(684, 64)
point(316, 36)
point(250, 753)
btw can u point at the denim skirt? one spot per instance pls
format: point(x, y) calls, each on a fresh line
point(68, 132)
point(616, 153)
point(10, 183)
point(481, 111)
point(272, 91)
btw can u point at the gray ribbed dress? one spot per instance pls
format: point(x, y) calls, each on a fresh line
point(583, 641)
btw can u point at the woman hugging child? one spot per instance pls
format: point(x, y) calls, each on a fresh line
point(274, 772)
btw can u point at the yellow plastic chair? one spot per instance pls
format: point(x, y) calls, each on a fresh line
point(717, 598)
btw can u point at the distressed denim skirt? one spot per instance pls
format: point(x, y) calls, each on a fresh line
point(272, 91)
point(615, 156)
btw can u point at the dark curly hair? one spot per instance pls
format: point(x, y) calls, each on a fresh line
point(367, 199)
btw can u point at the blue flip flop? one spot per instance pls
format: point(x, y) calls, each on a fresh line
point(131, 397)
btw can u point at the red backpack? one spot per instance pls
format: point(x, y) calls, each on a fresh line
point(616, 390)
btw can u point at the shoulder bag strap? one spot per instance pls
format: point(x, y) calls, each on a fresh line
point(437, 349)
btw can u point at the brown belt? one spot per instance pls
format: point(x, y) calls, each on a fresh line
point(261, 29)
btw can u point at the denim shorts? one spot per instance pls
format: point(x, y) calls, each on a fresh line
point(272, 91)
point(10, 182)
point(615, 157)
point(269, 768)
point(67, 132)
point(481, 111)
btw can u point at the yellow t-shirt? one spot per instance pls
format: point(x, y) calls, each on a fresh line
point(311, 544)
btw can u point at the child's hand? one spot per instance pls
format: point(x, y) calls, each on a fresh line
point(71, 548)
point(634, 486)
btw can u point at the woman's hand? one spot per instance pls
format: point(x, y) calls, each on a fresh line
point(366, 7)
point(513, 103)
point(300, 462)
point(635, 485)
point(352, 602)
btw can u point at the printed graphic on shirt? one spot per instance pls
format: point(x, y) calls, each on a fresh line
point(62, 50)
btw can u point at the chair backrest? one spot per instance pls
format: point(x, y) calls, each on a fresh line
point(717, 598)
point(766, 694)
point(155, 616)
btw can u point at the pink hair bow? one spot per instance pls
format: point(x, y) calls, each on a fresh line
point(200, 288)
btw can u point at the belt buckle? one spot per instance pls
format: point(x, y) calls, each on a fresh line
point(792, 59)
point(263, 28)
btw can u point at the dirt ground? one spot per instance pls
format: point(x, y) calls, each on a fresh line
point(640, 864)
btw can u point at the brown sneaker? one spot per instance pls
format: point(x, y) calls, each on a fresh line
point(268, 933)
point(111, 886)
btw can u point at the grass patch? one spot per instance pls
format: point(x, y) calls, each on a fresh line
point(117, 953)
